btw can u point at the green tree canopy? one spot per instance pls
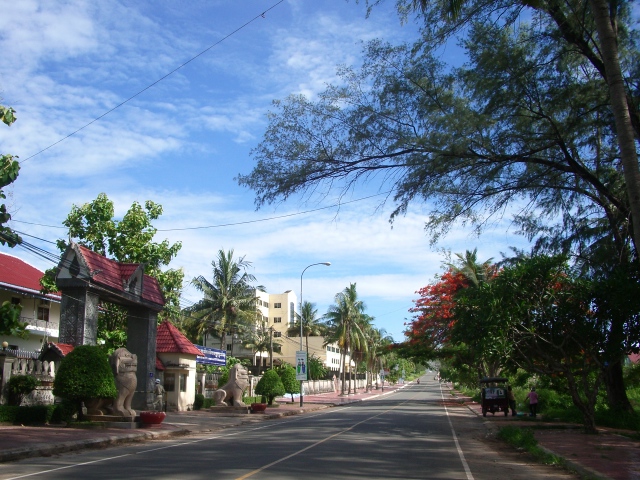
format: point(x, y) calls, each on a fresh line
point(288, 376)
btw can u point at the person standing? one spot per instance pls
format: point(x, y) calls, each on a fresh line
point(533, 402)
point(158, 392)
point(512, 401)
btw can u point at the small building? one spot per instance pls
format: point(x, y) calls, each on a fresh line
point(177, 366)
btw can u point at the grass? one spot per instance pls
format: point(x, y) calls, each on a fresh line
point(523, 439)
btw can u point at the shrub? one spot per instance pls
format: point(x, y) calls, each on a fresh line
point(64, 411)
point(270, 386)
point(316, 369)
point(288, 376)
point(208, 403)
point(198, 402)
point(18, 387)
point(83, 374)
point(34, 415)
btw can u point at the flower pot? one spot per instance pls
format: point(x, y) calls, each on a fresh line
point(258, 407)
point(152, 418)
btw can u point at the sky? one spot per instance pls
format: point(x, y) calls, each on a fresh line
point(163, 100)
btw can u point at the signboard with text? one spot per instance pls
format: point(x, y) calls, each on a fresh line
point(301, 365)
point(212, 356)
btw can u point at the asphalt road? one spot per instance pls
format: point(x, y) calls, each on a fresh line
point(412, 434)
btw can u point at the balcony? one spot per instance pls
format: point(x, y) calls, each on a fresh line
point(41, 327)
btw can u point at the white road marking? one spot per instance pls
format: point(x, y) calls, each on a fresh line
point(455, 439)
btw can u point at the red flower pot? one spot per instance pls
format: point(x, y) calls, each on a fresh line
point(258, 407)
point(152, 418)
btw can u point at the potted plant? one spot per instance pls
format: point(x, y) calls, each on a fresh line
point(259, 407)
point(152, 418)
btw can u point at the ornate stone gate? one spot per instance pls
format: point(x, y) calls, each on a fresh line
point(84, 279)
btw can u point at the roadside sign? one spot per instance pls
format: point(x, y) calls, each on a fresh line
point(301, 365)
point(212, 356)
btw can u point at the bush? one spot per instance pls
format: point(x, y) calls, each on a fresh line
point(198, 402)
point(64, 411)
point(18, 387)
point(208, 403)
point(34, 415)
point(83, 374)
point(270, 386)
point(288, 376)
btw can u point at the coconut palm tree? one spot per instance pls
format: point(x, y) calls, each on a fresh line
point(378, 341)
point(311, 324)
point(229, 299)
point(343, 320)
point(475, 272)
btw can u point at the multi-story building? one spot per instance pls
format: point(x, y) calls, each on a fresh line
point(20, 285)
point(278, 312)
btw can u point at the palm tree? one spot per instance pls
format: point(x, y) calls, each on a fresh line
point(378, 341)
point(311, 324)
point(476, 273)
point(261, 340)
point(343, 320)
point(229, 299)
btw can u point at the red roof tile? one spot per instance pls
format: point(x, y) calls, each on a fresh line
point(114, 275)
point(18, 273)
point(159, 365)
point(62, 349)
point(170, 340)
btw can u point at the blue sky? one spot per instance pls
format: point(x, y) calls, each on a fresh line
point(181, 141)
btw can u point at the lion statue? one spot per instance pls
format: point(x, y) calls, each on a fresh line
point(124, 365)
point(231, 393)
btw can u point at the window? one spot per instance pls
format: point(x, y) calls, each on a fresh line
point(15, 301)
point(277, 305)
point(170, 382)
point(229, 347)
point(277, 334)
point(183, 382)
point(266, 304)
point(277, 319)
point(43, 313)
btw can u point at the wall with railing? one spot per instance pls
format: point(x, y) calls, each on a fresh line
point(25, 362)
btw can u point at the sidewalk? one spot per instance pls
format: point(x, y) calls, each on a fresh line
point(17, 442)
point(608, 455)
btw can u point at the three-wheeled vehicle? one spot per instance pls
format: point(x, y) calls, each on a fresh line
point(494, 395)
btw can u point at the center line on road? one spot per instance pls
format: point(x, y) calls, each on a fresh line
point(319, 442)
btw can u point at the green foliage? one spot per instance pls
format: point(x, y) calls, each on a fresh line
point(229, 300)
point(270, 386)
point(198, 402)
point(223, 372)
point(208, 403)
point(64, 411)
point(10, 323)
point(632, 375)
point(315, 368)
point(18, 387)
point(85, 373)
point(288, 377)
point(32, 415)
point(9, 169)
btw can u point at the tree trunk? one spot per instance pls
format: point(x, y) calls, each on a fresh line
point(614, 384)
point(344, 371)
point(619, 106)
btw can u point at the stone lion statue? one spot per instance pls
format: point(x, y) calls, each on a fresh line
point(231, 393)
point(124, 365)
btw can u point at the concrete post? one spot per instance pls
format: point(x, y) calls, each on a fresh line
point(142, 327)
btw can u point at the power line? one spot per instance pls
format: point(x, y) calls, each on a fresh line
point(245, 222)
point(260, 15)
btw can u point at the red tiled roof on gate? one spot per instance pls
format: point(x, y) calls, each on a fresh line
point(17, 273)
point(114, 275)
point(159, 364)
point(170, 340)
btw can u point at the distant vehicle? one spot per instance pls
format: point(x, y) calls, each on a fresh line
point(494, 395)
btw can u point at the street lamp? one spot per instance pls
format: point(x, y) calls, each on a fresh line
point(327, 264)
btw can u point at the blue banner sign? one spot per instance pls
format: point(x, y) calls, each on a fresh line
point(212, 356)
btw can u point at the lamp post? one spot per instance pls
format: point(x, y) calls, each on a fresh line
point(302, 321)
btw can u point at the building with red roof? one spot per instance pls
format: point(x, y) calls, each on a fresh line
point(20, 284)
point(177, 356)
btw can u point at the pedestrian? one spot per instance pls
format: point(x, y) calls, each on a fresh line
point(512, 401)
point(532, 396)
point(158, 392)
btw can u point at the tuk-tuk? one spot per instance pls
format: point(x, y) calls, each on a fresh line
point(494, 395)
